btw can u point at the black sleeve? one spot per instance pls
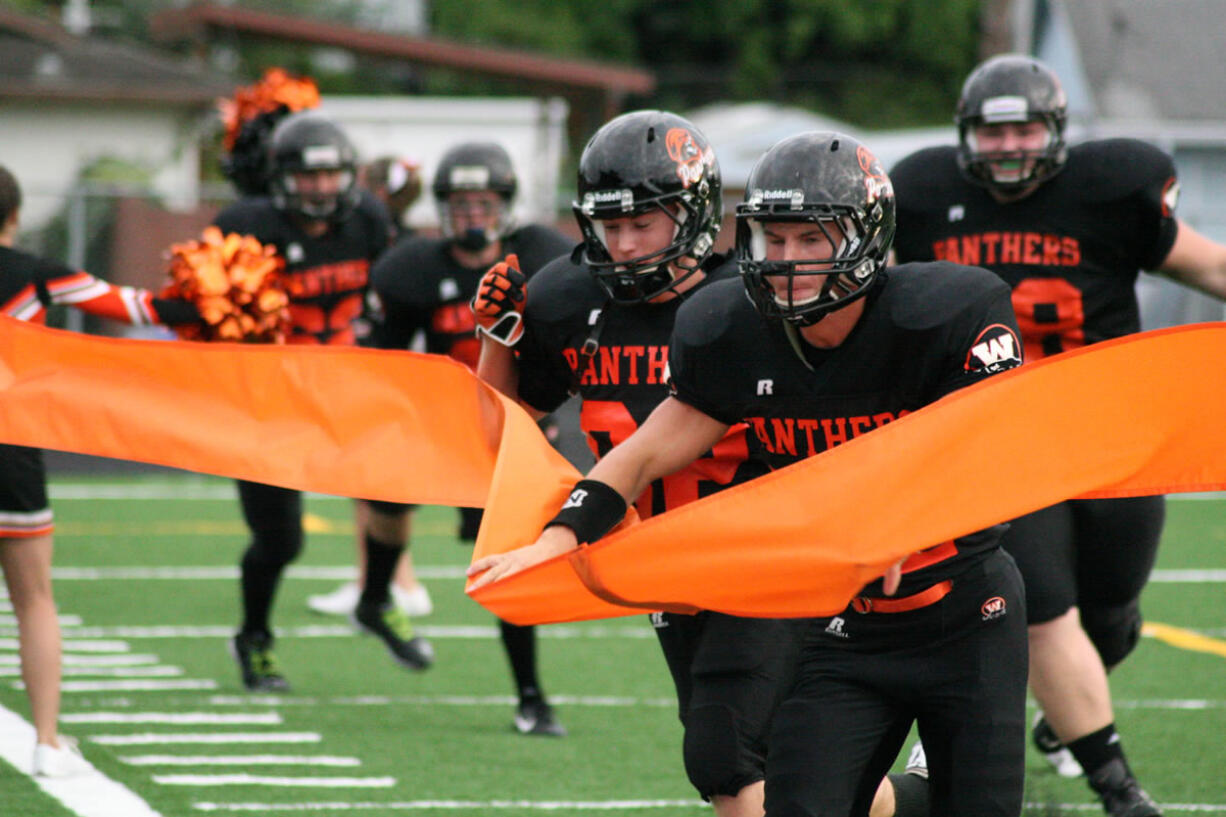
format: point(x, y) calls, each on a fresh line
point(981, 341)
point(397, 324)
point(1154, 200)
point(173, 311)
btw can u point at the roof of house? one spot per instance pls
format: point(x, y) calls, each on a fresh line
point(40, 59)
point(195, 20)
point(1149, 59)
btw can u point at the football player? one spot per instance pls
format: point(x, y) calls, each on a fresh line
point(1068, 228)
point(329, 233)
point(28, 286)
point(649, 206)
point(424, 285)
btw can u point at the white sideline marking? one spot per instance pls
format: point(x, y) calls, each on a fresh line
point(70, 660)
point(240, 760)
point(585, 805)
point(88, 795)
point(177, 718)
point(65, 621)
point(260, 780)
point(105, 672)
point(149, 739)
point(142, 491)
point(423, 805)
point(1189, 576)
point(555, 631)
point(228, 572)
point(441, 700)
point(130, 685)
point(75, 645)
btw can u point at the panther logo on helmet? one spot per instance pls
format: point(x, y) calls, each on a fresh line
point(691, 160)
point(876, 182)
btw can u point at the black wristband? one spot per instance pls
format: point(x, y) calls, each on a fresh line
point(592, 510)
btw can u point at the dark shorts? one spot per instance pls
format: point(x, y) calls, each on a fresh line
point(24, 510)
point(470, 518)
point(957, 668)
point(744, 666)
point(1086, 553)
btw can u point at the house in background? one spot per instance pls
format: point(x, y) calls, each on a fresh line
point(1152, 70)
point(67, 100)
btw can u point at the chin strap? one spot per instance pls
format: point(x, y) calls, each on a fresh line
point(793, 335)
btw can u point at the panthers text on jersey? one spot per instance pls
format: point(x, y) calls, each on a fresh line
point(1071, 250)
point(927, 330)
point(623, 379)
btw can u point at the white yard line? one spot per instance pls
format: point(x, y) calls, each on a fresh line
point(177, 718)
point(132, 685)
point(71, 660)
point(105, 672)
point(585, 805)
point(88, 795)
point(563, 806)
point(212, 738)
point(230, 572)
point(282, 782)
point(557, 631)
point(240, 760)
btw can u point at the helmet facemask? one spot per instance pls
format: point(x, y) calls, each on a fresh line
point(845, 275)
point(498, 222)
point(1011, 170)
point(646, 277)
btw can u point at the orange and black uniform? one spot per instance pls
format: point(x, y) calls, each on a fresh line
point(730, 673)
point(28, 286)
point(949, 649)
point(327, 278)
point(422, 288)
point(1071, 252)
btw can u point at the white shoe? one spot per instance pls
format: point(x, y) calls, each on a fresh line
point(917, 761)
point(62, 762)
point(413, 603)
point(343, 600)
point(1055, 752)
point(340, 602)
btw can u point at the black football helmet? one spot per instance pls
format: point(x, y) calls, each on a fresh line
point(307, 141)
point(643, 161)
point(1011, 88)
point(475, 166)
point(827, 179)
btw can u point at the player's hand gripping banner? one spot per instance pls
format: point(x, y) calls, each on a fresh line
point(1133, 416)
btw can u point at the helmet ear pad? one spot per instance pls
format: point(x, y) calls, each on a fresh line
point(640, 162)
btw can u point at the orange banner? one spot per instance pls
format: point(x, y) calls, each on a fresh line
point(1133, 416)
point(1141, 415)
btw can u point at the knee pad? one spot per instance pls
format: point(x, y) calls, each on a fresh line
point(1114, 631)
point(275, 546)
point(716, 761)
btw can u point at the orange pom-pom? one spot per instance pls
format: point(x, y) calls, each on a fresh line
point(236, 284)
point(274, 89)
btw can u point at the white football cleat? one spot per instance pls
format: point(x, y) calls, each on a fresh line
point(340, 602)
point(413, 603)
point(64, 761)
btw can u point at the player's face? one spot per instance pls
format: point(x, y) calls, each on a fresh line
point(640, 236)
point(799, 241)
point(1012, 137)
point(474, 210)
point(320, 182)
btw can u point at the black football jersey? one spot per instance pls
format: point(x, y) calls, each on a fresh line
point(422, 287)
point(1071, 250)
point(624, 379)
point(927, 330)
point(326, 276)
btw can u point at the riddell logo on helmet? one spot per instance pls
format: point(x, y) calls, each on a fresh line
point(692, 161)
point(994, 607)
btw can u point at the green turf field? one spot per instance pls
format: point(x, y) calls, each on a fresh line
point(441, 742)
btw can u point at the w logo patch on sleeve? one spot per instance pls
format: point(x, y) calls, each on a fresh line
point(995, 350)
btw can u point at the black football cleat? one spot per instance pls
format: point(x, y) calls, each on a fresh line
point(258, 667)
point(1120, 792)
point(535, 717)
point(392, 626)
